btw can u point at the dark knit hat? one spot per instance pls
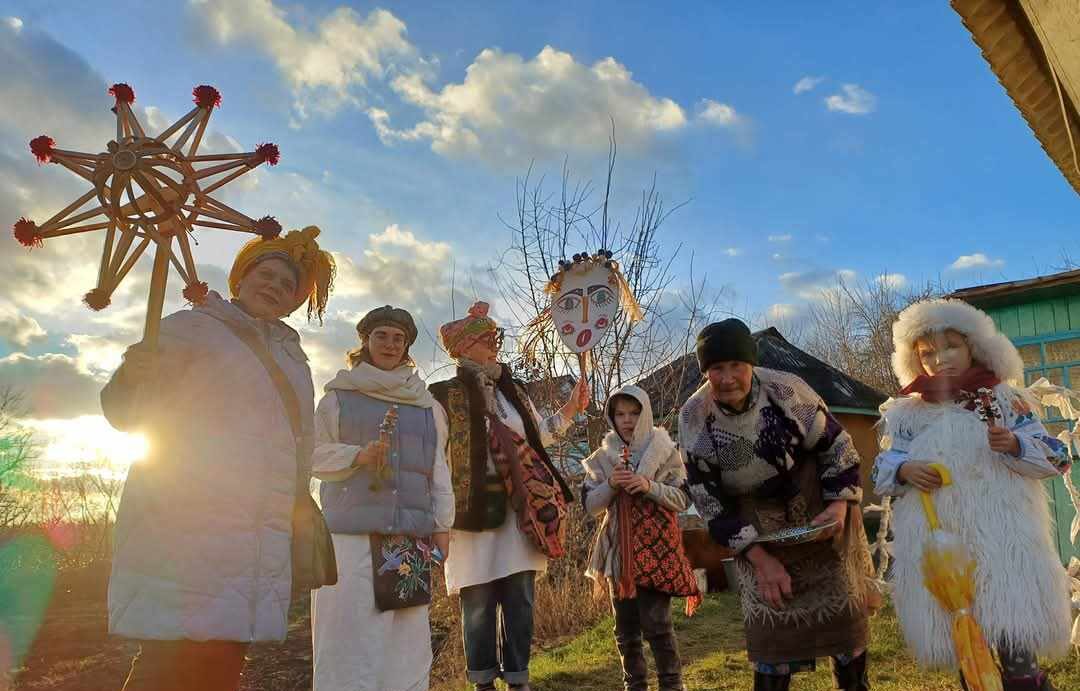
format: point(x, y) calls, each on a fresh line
point(387, 316)
point(725, 341)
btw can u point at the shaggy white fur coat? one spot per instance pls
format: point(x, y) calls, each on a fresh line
point(1022, 593)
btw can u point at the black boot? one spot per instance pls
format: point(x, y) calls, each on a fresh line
point(771, 682)
point(852, 676)
point(665, 652)
point(632, 653)
point(1036, 682)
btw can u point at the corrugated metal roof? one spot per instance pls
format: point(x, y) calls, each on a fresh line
point(990, 294)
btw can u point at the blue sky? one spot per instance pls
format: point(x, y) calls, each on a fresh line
point(403, 126)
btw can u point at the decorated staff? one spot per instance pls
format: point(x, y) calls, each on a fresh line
point(150, 189)
point(586, 294)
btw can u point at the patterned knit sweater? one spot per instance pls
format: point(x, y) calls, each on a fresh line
point(757, 452)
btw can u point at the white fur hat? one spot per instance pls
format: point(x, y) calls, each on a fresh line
point(988, 346)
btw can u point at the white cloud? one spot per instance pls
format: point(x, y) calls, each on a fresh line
point(510, 110)
point(854, 100)
point(732, 251)
point(327, 66)
point(786, 237)
point(397, 267)
point(14, 23)
point(805, 84)
point(777, 257)
point(892, 280)
point(814, 283)
point(781, 311)
point(19, 329)
point(715, 113)
point(99, 356)
point(53, 385)
point(975, 261)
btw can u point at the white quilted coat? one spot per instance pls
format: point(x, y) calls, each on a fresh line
point(202, 536)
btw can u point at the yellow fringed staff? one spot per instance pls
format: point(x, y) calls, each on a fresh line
point(949, 575)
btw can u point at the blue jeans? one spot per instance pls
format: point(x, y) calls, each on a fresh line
point(481, 607)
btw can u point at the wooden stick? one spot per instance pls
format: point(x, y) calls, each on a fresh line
point(134, 257)
point(156, 301)
point(133, 121)
point(220, 157)
point(75, 230)
point(151, 188)
point(189, 260)
point(127, 236)
point(227, 179)
point(213, 213)
point(216, 170)
point(124, 120)
point(583, 359)
point(78, 154)
point(106, 252)
point(81, 171)
point(97, 211)
point(68, 209)
point(223, 226)
point(173, 185)
point(199, 134)
point(177, 125)
point(222, 206)
point(178, 145)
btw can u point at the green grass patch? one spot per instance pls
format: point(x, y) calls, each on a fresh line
point(711, 645)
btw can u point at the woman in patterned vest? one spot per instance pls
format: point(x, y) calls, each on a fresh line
point(492, 563)
point(380, 440)
point(763, 453)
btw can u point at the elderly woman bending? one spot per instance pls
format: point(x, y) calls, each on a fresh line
point(763, 453)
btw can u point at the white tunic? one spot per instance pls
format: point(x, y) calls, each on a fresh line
point(485, 556)
point(998, 507)
point(356, 647)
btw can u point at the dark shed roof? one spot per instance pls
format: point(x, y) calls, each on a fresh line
point(670, 386)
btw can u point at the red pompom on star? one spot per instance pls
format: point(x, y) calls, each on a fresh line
point(196, 293)
point(122, 92)
point(206, 96)
point(97, 299)
point(267, 153)
point(42, 148)
point(268, 227)
point(26, 232)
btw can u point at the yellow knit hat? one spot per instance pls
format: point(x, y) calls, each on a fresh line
point(315, 266)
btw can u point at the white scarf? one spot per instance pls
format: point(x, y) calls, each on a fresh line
point(401, 385)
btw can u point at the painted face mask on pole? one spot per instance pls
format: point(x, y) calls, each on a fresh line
point(587, 294)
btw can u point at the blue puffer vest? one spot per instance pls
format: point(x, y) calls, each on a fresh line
point(402, 505)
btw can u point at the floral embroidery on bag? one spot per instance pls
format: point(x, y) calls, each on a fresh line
point(411, 559)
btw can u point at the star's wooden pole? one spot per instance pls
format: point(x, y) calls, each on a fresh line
point(158, 278)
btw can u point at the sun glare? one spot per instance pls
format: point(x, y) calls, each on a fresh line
point(86, 444)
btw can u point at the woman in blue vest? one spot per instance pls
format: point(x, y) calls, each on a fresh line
point(380, 439)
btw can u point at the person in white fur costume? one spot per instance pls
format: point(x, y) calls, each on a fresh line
point(946, 351)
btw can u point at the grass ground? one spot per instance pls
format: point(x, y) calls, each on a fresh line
point(72, 652)
point(711, 645)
